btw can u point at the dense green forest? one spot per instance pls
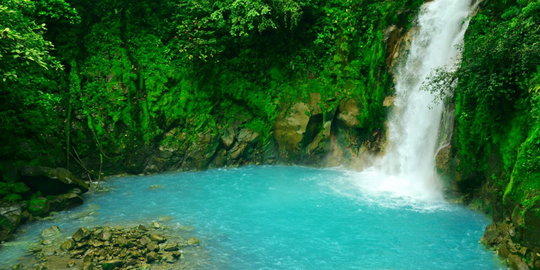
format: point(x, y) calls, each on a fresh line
point(116, 86)
point(106, 81)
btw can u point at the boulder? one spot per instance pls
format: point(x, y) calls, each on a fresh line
point(348, 113)
point(531, 231)
point(227, 139)
point(51, 233)
point(66, 201)
point(290, 128)
point(39, 206)
point(10, 218)
point(442, 159)
point(51, 181)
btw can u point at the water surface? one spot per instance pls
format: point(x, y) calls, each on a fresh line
point(285, 218)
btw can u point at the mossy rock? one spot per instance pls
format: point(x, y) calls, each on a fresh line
point(39, 206)
point(531, 226)
point(51, 181)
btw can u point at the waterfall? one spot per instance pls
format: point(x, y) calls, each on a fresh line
point(407, 168)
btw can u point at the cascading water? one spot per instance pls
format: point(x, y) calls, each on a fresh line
point(407, 169)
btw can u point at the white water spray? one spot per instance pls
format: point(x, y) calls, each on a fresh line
point(407, 170)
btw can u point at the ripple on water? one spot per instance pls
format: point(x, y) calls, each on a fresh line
point(272, 217)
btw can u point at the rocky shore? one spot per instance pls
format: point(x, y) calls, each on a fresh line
point(108, 248)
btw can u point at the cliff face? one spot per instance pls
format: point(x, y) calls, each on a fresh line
point(495, 153)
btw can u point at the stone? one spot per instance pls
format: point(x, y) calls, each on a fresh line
point(348, 113)
point(51, 233)
point(39, 206)
point(66, 201)
point(111, 264)
point(443, 158)
point(168, 257)
point(389, 101)
point(169, 246)
point(193, 241)
point(531, 225)
point(10, 218)
point(158, 238)
point(51, 181)
point(515, 262)
point(106, 235)
point(152, 256)
point(227, 138)
point(80, 234)
point(155, 225)
point(87, 265)
point(290, 127)
point(152, 246)
point(67, 245)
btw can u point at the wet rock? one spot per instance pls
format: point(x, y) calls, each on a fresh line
point(111, 264)
point(515, 262)
point(158, 238)
point(68, 245)
point(290, 128)
point(169, 247)
point(152, 257)
point(66, 201)
point(111, 248)
point(155, 225)
point(106, 236)
point(51, 181)
point(442, 159)
point(152, 246)
point(51, 233)
point(10, 218)
point(80, 234)
point(348, 113)
point(38, 207)
point(227, 139)
point(193, 241)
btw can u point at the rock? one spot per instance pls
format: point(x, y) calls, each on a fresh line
point(51, 181)
point(516, 262)
point(152, 256)
point(51, 233)
point(155, 225)
point(158, 238)
point(66, 201)
point(67, 245)
point(143, 228)
point(193, 241)
point(10, 218)
point(152, 246)
point(531, 225)
point(290, 128)
point(389, 101)
point(154, 187)
point(106, 235)
point(39, 206)
point(80, 234)
point(168, 257)
point(442, 159)
point(227, 139)
point(169, 247)
point(348, 113)
point(87, 265)
point(491, 235)
point(111, 264)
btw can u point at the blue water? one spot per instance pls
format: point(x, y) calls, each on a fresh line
point(283, 218)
